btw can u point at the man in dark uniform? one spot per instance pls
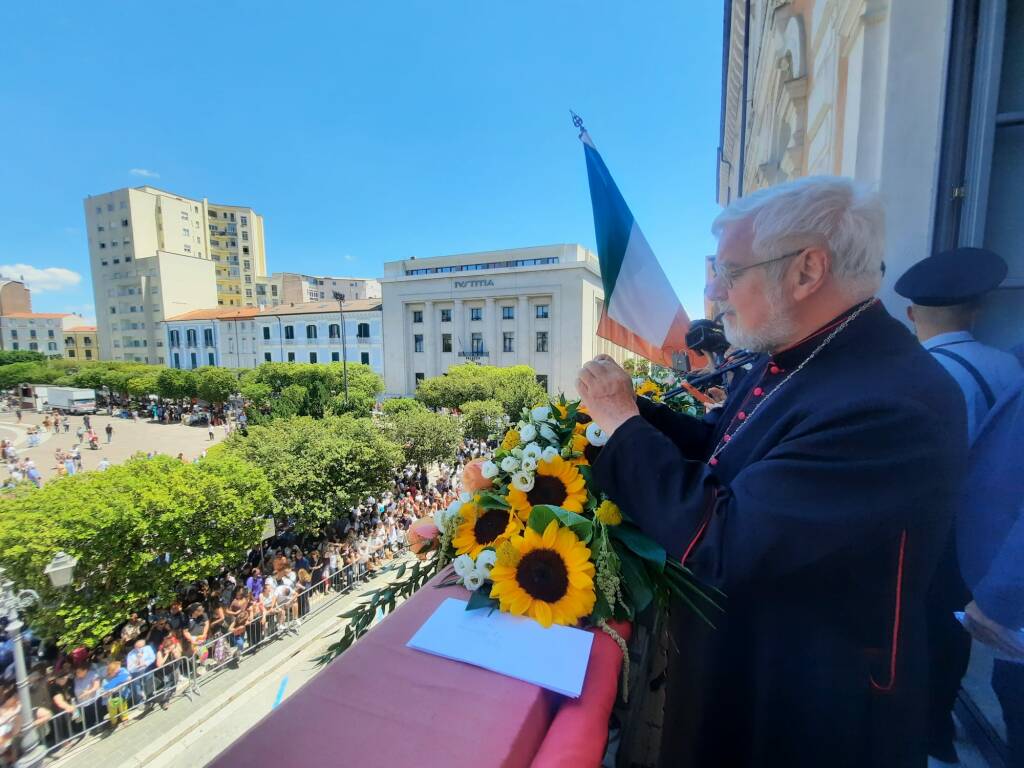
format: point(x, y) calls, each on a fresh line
point(818, 499)
point(945, 291)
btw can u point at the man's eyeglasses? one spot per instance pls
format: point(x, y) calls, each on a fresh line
point(728, 275)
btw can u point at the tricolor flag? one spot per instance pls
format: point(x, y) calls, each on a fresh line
point(641, 310)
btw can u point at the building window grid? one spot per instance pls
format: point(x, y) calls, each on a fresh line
point(542, 341)
point(483, 265)
point(446, 342)
point(417, 342)
point(476, 313)
point(508, 342)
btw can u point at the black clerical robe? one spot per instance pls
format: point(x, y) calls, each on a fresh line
point(822, 519)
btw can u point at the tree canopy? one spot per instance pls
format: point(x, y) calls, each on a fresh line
point(140, 531)
point(318, 468)
point(8, 356)
point(424, 436)
point(483, 418)
point(515, 387)
point(282, 390)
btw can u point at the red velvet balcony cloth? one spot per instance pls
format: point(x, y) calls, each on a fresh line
point(383, 705)
point(578, 734)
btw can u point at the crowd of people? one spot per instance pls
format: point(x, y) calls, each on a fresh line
point(160, 649)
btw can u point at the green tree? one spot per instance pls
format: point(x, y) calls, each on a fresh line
point(319, 468)
point(140, 530)
point(322, 389)
point(176, 384)
point(482, 418)
point(515, 387)
point(216, 385)
point(141, 387)
point(424, 436)
point(396, 405)
point(20, 356)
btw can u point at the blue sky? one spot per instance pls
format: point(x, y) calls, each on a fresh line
point(362, 132)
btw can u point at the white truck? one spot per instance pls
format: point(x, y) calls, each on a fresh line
point(71, 399)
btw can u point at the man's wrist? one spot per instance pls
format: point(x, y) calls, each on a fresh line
point(615, 422)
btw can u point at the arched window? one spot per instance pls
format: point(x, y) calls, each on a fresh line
point(310, 331)
point(289, 332)
point(363, 332)
point(190, 336)
point(334, 331)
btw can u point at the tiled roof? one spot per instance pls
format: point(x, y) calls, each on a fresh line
point(81, 329)
point(38, 315)
point(315, 307)
point(217, 313)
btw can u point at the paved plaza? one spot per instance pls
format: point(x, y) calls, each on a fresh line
point(129, 437)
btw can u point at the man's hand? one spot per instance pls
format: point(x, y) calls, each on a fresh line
point(993, 634)
point(607, 392)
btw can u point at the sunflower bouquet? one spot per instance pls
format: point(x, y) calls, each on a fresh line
point(533, 536)
point(660, 380)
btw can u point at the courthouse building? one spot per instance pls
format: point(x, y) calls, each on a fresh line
point(533, 306)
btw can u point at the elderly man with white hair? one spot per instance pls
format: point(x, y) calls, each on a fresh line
point(818, 498)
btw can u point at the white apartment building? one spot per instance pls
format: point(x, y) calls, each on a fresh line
point(245, 337)
point(35, 331)
point(293, 287)
point(154, 254)
point(535, 306)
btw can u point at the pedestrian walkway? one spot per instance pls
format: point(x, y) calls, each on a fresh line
point(199, 724)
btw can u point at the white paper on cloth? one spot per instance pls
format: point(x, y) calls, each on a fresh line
point(554, 658)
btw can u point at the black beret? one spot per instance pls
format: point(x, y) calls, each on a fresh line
point(952, 277)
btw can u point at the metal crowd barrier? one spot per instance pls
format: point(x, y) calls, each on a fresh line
point(182, 677)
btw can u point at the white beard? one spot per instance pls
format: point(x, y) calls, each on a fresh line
point(773, 333)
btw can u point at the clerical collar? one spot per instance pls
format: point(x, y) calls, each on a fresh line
point(792, 355)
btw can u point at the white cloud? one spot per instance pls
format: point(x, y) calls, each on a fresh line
point(349, 257)
point(49, 279)
point(145, 173)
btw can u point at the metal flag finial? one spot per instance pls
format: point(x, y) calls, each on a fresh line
point(578, 122)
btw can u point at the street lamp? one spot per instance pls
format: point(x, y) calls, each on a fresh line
point(60, 570)
point(340, 298)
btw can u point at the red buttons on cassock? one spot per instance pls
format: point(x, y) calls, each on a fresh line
point(775, 369)
point(741, 415)
point(713, 461)
point(726, 438)
point(758, 391)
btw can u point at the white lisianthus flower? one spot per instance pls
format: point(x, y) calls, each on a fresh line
point(548, 433)
point(549, 453)
point(522, 481)
point(464, 566)
point(517, 452)
point(485, 561)
point(465, 497)
point(541, 413)
point(489, 469)
point(527, 432)
point(533, 450)
point(529, 463)
point(596, 435)
point(441, 519)
point(474, 580)
point(509, 464)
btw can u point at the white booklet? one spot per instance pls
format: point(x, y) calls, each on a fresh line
point(554, 658)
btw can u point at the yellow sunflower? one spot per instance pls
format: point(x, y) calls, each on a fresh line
point(556, 482)
point(549, 577)
point(511, 440)
point(649, 388)
point(589, 451)
point(483, 528)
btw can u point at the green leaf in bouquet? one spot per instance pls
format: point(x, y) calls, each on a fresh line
point(587, 473)
point(640, 544)
point(491, 501)
point(636, 580)
point(481, 598)
point(542, 514)
point(602, 611)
